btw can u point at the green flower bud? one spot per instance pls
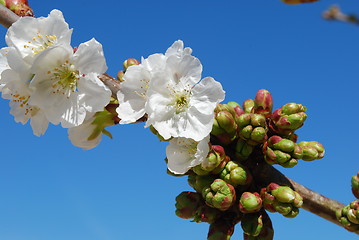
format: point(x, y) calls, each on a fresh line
point(281, 199)
point(263, 103)
point(243, 149)
point(348, 216)
point(252, 224)
point(281, 151)
point(224, 126)
point(219, 195)
point(355, 185)
point(236, 174)
point(248, 105)
point(284, 194)
point(252, 128)
point(312, 150)
point(250, 202)
point(288, 118)
point(187, 204)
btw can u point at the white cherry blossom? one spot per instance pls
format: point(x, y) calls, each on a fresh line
point(179, 103)
point(66, 84)
point(30, 36)
point(133, 93)
point(185, 153)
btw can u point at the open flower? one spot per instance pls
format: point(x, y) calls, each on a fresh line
point(133, 93)
point(179, 103)
point(185, 153)
point(15, 87)
point(31, 36)
point(66, 84)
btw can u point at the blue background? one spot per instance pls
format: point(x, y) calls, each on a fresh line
point(51, 190)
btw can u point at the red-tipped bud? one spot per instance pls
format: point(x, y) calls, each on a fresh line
point(263, 103)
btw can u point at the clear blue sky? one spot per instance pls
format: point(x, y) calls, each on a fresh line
point(51, 190)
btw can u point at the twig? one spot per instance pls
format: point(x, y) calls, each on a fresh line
point(7, 17)
point(334, 13)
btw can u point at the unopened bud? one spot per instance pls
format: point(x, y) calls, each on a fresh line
point(130, 62)
point(263, 103)
point(248, 105)
point(355, 185)
point(250, 202)
point(252, 224)
point(312, 150)
point(187, 204)
point(219, 195)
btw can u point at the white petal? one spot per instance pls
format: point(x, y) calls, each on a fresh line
point(133, 94)
point(94, 95)
point(187, 69)
point(39, 123)
point(206, 95)
point(89, 58)
point(183, 154)
point(79, 135)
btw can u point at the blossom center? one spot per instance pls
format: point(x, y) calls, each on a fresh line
point(65, 79)
point(181, 101)
point(39, 43)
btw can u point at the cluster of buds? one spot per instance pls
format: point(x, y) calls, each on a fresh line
point(281, 199)
point(349, 216)
point(355, 185)
point(243, 139)
point(278, 150)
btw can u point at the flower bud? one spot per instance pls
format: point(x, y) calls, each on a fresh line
point(19, 7)
point(312, 150)
point(281, 199)
point(288, 118)
point(243, 149)
point(130, 62)
point(187, 204)
point(281, 151)
point(120, 75)
point(349, 216)
point(219, 195)
point(252, 224)
point(224, 126)
point(355, 185)
point(248, 105)
point(252, 128)
point(250, 202)
point(263, 103)
point(236, 174)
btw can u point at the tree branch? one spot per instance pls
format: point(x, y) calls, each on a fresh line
point(7, 17)
point(312, 201)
